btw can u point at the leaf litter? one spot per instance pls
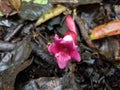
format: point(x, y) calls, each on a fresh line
point(26, 63)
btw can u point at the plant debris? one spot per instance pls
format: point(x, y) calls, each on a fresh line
point(29, 45)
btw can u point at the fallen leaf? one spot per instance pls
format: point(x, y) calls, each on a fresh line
point(110, 29)
point(16, 4)
point(5, 7)
point(50, 14)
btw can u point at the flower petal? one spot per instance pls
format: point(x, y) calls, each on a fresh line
point(75, 55)
point(52, 48)
point(73, 35)
point(68, 38)
point(69, 44)
point(71, 24)
point(57, 39)
point(62, 59)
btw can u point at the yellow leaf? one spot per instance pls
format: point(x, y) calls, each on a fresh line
point(50, 14)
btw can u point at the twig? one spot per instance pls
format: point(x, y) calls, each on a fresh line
point(6, 46)
point(84, 32)
point(9, 36)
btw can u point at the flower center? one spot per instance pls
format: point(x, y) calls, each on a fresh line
point(65, 49)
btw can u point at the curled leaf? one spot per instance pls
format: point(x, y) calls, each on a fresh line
point(110, 29)
point(50, 14)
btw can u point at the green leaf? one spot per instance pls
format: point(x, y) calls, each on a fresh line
point(40, 1)
point(26, 0)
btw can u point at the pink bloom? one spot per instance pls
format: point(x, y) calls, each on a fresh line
point(71, 24)
point(73, 35)
point(64, 49)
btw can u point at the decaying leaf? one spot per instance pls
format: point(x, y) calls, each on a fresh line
point(14, 62)
point(109, 48)
point(5, 7)
point(50, 14)
point(31, 11)
point(110, 29)
point(20, 53)
point(67, 82)
point(16, 4)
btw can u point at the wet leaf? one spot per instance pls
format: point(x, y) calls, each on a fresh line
point(6, 46)
point(40, 51)
point(52, 83)
point(110, 29)
point(12, 63)
point(109, 48)
point(53, 22)
point(16, 4)
point(20, 53)
point(9, 35)
point(50, 14)
point(31, 11)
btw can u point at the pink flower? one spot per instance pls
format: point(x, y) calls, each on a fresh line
point(72, 28)
point(64, 49)
point(71, 24)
